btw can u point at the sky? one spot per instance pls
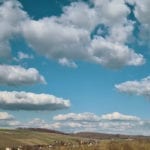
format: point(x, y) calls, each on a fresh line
point(75, 66)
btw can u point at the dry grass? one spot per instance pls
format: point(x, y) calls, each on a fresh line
point(113, 145)
point(32, 140)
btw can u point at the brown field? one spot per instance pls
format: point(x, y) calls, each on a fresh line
point(23, 139)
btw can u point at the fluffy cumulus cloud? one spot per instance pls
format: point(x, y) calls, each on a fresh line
point(141, 12)
point(67, 38)
point(56, 40)
point(141, 87)
point(11, 15)
point(113, 55)
point(116, 11)
point(88, 16)
point(31, 101)
point(17, 75)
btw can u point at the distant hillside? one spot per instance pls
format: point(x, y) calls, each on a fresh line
point(43, 130)
point(37, 138)
point(109, 136)
point(93, 135)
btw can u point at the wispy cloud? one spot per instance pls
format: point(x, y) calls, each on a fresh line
point(68, 63)
point(22, 56)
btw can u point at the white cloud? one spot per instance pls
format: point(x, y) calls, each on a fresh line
point(118, 116)
point(121, 33)
point(56, 40)
point(11, 15)
point(113, 55)
point(67, 37)
point(17, 75)
point(68, 63)
point(111, 12)
point(106, 123)
point(141, 87)
point(5, 116)
point(80, 15)
point(142, 11)
point(31, 101)
point(8, 121)
point(77, 117)
point(22, 55)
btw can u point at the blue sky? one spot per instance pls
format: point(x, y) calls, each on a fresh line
point(64, 61)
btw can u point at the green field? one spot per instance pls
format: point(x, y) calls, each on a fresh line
point(34, 140)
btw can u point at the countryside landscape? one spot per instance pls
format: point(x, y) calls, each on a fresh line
point(43, 139)
point(74, 74)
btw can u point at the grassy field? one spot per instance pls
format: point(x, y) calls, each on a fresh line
point(34, 140)
point(27, 137)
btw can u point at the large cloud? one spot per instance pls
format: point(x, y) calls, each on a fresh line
point(31, 101)
point(56, 40)
point(17, 75)
point(69, 38)
point(142, 11)
point(11, 15)
point(141, 87)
